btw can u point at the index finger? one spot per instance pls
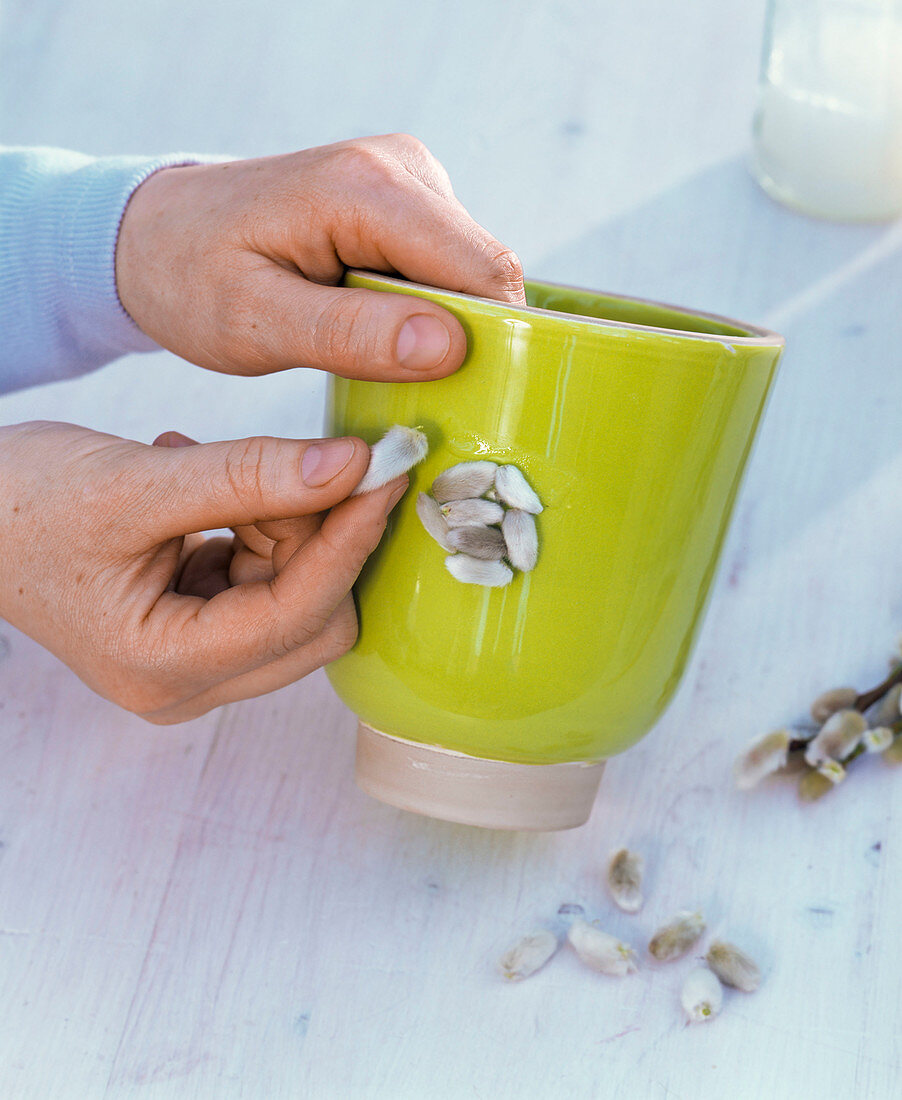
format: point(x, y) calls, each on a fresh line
point(428, 238)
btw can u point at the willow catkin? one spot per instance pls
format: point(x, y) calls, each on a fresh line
point(394, 454)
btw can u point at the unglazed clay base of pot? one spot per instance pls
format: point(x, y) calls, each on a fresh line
point(494, 794)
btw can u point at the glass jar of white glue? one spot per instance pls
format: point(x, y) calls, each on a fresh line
point(828, 130)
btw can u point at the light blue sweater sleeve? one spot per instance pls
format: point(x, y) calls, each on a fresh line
point(60, 212)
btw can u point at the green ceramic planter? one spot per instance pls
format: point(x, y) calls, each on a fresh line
point(633, 421)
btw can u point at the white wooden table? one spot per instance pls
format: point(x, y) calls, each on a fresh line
point(214, 910)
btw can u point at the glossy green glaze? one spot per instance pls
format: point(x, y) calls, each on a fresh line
point(635, 438)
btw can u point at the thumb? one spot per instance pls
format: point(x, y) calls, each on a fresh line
point(205, 486)
point(357, 333)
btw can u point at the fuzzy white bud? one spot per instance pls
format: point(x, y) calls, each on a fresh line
point(490, 574)
point(763, 756)
point(528, 955)
point(733, 966)
point(701, 995)
point(839, 735)
point(485, 543)
point(625, 879)
point(433, 520)
point(516, 492)
point(601, 951)
point(472, 513)
point(888, 709)
point(394, 454)
point(827, 704)
point(877, 739)
point(521, 538)
point(674, 939)
point(464, 481)
point(814, 785)
point(893, 754)
point(832, 770)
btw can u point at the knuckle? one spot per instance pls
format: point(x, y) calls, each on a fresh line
point(365, 162)
point(353, 546)
point(506, 269)
point(419, 162)
point(292, 631)
point(245, 463)
point(341, 633)
point(407, 143)
point(299, 636)
point(337, 636)
point(341, 333)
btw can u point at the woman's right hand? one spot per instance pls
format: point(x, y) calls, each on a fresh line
point(104, 567)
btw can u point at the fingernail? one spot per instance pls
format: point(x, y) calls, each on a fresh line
point(174, 439)
point(322, 461)
point(397, 494)
point(423, 342)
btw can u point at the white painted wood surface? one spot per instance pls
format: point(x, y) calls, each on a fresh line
point(214, 910)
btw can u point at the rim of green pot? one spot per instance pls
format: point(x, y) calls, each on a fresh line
point(757, 335)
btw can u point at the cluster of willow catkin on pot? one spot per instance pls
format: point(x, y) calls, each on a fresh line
point(845, 724)
point(480, 513)
point(701, 994)
point(483, 516)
